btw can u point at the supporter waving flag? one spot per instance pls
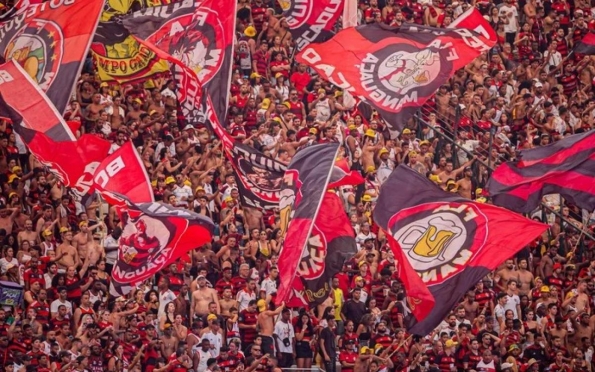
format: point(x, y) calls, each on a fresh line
point(586, 46)
point(153, 236)
point(394, 69)
point(50, 40)
point(198, 33)
point(446, 242)
point(566, 167)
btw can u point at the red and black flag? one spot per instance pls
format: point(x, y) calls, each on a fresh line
point(153, 236)
point(304, 185)
point(330, 244)
point(394, 69)
point(586, 46)
point(446, 242)
point(311, 21)
point(84, 164)
point(200, 34)
point(50, 40)
point(565, 167)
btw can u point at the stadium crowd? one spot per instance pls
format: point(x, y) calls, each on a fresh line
point(213, 311)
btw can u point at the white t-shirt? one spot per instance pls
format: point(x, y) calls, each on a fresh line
point(56, 304)
point(284, 331)
point(512, 15)
point(511, 304)
point(164, 299)
point(244, 299)
point(216, 342)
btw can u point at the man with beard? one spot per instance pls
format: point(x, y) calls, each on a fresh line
point(472, 357)
point(28, 234)
point(68, 253)
point(582, 329)
point(201, 298)
point(96, 359)
point(135, 113)
point(525, 278)
point(470, 306)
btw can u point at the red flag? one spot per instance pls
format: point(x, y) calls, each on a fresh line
point(123, 173)
point(449, 242)
point(311, 21)
point(394, 69)
point(153, 236)
point(472, 19)
point(51, 40)
point(343, 176)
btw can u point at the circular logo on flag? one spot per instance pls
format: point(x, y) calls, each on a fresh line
point(400, 73)
point(296, 12)
point(311, 265)
point(197, 40)
point(38, 48)
point(439, 239)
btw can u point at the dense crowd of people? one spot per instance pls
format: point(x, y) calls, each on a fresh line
point(213, 310)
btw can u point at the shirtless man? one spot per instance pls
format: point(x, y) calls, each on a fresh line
point(582, 298)
point(169, 343)
point(227, 302)
point(94, 108)
point(506, 274)
point(368, 151)
point(46, 217)
point(450, 173)
point(82, 239)
point(7, 217)
point(525, 278)
point(69, 254)
point(28, 234)
point(582, 329)
point(465, 185)
point(201, 299)
point(266, 324)
point(135, 113)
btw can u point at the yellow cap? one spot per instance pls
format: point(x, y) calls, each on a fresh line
point(211, 317)
point(138, 100)
point(450, 343)
point(545, 289)
point(103, 85)
point(169, 180)
point(406, 131)
point(383, 150)
point(13, 177)
point(47, 232)
point(450, 182)
point(187, 183)
point(313, 131)
point(366, 198)
point(435, 178)
point(11, 194)
point(338, 94)
point(250, 31)
point(16, 168)
point(262, 305)
point(412, 154)
point(278, 75)
point(254, 75)
point(287, 104)
point(152, 112)
point(321, 90)
point(266, 103)
point(154, 183)
point(370, 169)
point(481, 200)
point(278, 119)
point(63, 230)
point(83, 223)
point(370, 133)
point(424, 142)
point(199, 188)
point(352, 127)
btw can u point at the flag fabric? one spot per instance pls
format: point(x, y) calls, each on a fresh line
point(565, 167)
point(50, 40)
point(200, 34)
point(394, 69)
point(311, 21)
point(446, 242)
point(17, 8)
point(123, 173)
point(153, 236)
point(258, 176)
point(472, 19)
point(118, 55)
point(304, 184)
point(330, 244)
point(84, 164)
point(586, 45)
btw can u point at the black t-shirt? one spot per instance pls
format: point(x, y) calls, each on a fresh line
point(328, 337)
point(354, 311)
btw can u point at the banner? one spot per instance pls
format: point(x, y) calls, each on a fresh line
point(586, 46)
point(302, 191)
point(311, 21)
point(565, 167)
point(50, 41)
point(84, 164)
point(200, 34)
point(258, 176)
point(395, 70)
point(117, 54)
point(447, 243)
point(330, 244)
point(153, 236)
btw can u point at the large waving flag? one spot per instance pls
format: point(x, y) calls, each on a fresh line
point(50, 40)
point(394, 69)
point(200, 35)
point(565, 167)
point(84, 164)
point(311, 21)
point(153, 236)
point(443, 243)
point(118, 55)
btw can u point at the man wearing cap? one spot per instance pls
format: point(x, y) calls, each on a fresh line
point(202, 297)
point(134, 114)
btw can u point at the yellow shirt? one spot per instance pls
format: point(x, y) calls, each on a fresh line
point(338, 296)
